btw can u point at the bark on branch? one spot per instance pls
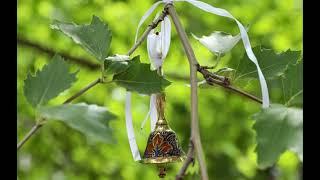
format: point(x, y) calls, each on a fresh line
point(213, 79)
point(195, 135)
point(187, 162)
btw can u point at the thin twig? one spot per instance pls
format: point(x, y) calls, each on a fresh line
point(30, 133)
point(206, 74)
point(208, 67)
point(49, 51)
point(212, 79)
point(89, 86)
point(245, 94)
point(195, 135)
point(187, 162)
point(38, 125)
point(153, 25)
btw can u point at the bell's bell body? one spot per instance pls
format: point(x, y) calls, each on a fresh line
point(163, 146)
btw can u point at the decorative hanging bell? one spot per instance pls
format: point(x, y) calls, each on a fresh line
point(162, 146)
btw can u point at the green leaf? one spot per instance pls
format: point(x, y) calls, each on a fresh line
point(48, 83)
point(292, 85)
point(271, 63)
point(95, 38)
point(92, 120)
point(278, 129)
point(115, 66)
point(138, 77)
point(288, 88)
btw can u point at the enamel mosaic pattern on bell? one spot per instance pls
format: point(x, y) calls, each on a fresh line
point(163, 145)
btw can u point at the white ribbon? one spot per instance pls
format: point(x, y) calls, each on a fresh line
point(130, 131)
point(145, 16)
point(152, 113)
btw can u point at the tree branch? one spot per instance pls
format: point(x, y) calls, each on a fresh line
point(38, 125)
point(81, 61)
point(151, 26)
point(187, 162)
point(50, 52)
point(195, 136)
point(85, 89)
point(212, 79)
point(30, 133)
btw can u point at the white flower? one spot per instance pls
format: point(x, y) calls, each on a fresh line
point(219, 42)
point(158, 43)
point(154, 48)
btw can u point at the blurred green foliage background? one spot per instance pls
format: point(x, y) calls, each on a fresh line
point(58, 152)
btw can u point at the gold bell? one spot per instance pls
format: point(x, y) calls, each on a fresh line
point(162, 146)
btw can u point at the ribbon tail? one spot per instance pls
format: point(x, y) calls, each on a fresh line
point(245, 39)
point(153, 111)
point(165, 36)
point(130, 131)
point(145, 120)
point(252, 57)
point(145, 16)
point(149, 112)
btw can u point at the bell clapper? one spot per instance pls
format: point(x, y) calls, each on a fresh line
point(162, 171)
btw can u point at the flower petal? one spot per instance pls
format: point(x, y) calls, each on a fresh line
point(154, 49)
point(165, 36)
point(219, 42)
